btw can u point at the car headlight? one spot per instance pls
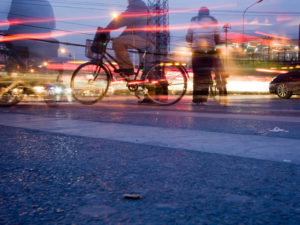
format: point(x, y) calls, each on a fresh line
point(58, 90)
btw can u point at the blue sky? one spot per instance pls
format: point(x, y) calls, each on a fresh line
point(280, 17)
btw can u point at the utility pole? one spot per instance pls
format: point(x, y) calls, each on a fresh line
point(244, 13)
point(226, 28)
point(160, 9)
point(299, 45)
point(269, 49)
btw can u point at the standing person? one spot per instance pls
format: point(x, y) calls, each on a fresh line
point(135, 19)
point(203, 37)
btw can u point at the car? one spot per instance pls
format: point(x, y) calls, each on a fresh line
point(286, 85)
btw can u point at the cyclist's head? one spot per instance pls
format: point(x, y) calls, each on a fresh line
point(203, 11)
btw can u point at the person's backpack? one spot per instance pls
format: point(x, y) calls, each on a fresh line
point(100, 41)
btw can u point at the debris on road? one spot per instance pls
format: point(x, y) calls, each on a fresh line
point(277, 129)
point(274, 130)
point(287, 160)
point(132, 196)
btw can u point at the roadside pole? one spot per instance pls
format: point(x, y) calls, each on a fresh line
point(299, 45)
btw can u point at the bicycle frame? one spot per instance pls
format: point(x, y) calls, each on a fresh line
point(106, 57)
point(152, 83)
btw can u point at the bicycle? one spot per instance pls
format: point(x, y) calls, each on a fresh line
point(165, 83)
point(218, 84)
point(217, 87)
point(19, 77)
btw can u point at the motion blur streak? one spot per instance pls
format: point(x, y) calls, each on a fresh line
point(273, 36)
point(32, 36)
point(271, 71)
point(63, 66)
point(175, 27)
point(25, 21)
point(236, 37)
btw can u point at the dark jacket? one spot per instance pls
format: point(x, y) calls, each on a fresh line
point(135, 19)
point(203, 32)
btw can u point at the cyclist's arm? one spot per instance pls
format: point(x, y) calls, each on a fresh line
point(189, 36)
point(125, 19)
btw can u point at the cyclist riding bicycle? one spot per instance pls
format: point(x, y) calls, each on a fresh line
point(135, 19)
point(163, 82)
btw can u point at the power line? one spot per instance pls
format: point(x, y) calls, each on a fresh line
point(108, 5)
point(59, 6)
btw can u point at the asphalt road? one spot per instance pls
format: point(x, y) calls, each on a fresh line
point(213, 164)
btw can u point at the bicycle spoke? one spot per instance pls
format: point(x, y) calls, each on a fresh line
point(90, 83)
point(166, 84)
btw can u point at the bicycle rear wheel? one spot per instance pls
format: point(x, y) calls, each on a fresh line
point(11, 97)
point(89, 83)
point(166, 83)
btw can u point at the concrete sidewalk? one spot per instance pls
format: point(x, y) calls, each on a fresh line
point(60, 179)
point(248, 146)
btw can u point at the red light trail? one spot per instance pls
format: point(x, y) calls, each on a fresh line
point(271, 71)
point(272, 35)
point(33, 20)
point(29, 36)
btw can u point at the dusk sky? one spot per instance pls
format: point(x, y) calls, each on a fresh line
point(276, 17)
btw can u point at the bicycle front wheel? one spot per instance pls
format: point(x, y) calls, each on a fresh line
point(89, 83)
point(166, 83)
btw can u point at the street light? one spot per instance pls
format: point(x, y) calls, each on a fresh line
point(258, 1)
point(115, 15)
point(62, 50)
point(67, 53)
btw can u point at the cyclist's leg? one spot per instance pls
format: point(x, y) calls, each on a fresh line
point(125, 42)
point(121, 46)
point(137, 42)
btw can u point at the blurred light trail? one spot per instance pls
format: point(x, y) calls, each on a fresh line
point(32, 20)
point(176, 27)
point(36, 36)
point(239, 38)
point(62, 66)
point(248, 86)
point(272, 35)
point(235, 83)
point(271, 71)
point(283, 18)
point(17, 37)
point(175, 11)
point(115, 15)
point(293, 23)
